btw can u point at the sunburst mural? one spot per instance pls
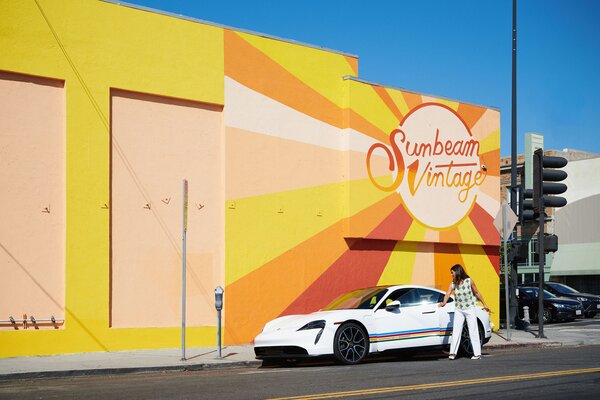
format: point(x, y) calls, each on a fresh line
point(334, 184)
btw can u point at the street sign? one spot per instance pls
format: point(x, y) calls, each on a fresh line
point(510, 220)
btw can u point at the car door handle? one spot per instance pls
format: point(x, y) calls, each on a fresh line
point(428, 312)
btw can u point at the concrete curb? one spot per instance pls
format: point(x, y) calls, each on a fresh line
point(512, 345)
point(122, 371)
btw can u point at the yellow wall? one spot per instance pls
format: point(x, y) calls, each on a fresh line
point(95, 46)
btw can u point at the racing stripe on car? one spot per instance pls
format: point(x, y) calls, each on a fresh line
point(412, 334)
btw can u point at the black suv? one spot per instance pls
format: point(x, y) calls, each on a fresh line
point(590, 302)
point(555, 308)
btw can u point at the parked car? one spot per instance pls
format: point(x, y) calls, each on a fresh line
point(365, 321)
point(590, 302)
point(555, 308)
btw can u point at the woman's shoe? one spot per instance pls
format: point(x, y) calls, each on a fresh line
point(476, 358)
point(452, 356)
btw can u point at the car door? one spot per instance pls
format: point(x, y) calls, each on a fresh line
point(415, 323)
point(446, 320)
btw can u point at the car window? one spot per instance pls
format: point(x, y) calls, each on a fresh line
point(358, 299)
point(533, 292)
point(559, 287)
point(527, 292)
point(429, 296)
point(410, 297)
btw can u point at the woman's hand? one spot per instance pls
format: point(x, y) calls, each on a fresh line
point(441, 304)
point(486, 308)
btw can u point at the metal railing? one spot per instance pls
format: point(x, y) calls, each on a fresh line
point(31, 322)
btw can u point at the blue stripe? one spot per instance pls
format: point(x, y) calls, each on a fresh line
point(411, 331)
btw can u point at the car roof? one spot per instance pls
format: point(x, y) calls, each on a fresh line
point(394, 287)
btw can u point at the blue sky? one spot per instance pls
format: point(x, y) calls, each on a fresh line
point(455, 49)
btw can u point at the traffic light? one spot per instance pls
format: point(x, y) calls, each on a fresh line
point(526, 209)
point(545, 181)
point(550, 243)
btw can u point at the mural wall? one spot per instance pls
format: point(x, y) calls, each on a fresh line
point(305, 181)
point(359, 186)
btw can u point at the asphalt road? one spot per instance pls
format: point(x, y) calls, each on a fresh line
point(550, 373)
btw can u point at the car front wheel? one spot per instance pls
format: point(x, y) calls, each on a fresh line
point(350, 344)
point(466, 347)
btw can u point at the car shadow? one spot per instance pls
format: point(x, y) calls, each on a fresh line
point(386, 357)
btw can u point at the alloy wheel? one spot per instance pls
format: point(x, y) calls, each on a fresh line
point(351, 343)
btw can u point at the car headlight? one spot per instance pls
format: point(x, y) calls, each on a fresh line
point(581, 299)
point(560, 305)
point(320, 324)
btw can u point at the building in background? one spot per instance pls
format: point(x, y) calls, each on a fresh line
point(577, 261)
point(304, 180)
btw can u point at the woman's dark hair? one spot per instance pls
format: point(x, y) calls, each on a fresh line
point(459, 273)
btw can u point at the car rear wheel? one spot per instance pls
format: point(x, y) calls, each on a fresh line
point(547, 315)
point(466, 347)
point(350, 344)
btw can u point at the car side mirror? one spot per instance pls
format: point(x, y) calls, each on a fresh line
point(394, 305)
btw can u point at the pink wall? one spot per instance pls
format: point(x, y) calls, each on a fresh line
point(32, 201)
point(156, 143)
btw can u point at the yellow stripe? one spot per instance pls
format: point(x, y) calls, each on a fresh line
point(399, 268)
point(490, 142)
point(321, 70)
point(294, 215)
point(437, 385)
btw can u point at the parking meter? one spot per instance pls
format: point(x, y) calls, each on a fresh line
point(219, 298)
point(219, 306)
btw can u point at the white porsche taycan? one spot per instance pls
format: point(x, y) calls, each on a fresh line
point(370, 320)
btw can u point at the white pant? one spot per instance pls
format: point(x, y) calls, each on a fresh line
point(457, 327)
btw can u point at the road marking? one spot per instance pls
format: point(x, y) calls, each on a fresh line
point(272, 371)
point(442, 384)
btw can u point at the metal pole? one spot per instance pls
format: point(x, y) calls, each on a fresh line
point(183, 266)
point(541, 259)
point(219, 334)
point(512, 317)
point(505, 272)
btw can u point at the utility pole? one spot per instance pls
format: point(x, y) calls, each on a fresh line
point(510, 319)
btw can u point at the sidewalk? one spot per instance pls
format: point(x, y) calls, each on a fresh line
point(201, 358)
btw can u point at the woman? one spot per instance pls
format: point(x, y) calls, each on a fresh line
point(466, 296)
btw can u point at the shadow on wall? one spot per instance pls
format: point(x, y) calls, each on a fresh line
point(68, 313)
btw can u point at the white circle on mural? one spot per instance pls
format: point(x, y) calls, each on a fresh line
point(442, 170)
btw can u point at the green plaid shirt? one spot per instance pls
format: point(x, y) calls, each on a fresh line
point(464, 295)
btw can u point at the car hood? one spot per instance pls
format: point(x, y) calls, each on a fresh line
point(563, 300)
point(296, 322)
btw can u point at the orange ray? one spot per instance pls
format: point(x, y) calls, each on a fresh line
point(389, 102)
point(254, 69)
point(492, 160)
point(470, 114)
point(353, 62)
point(361, 124)
point(450, 236)
point(412, 99)
point(446, 255)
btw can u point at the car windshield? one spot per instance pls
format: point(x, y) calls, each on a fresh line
point(359, 299)
point(562, 288)
point(534, 292)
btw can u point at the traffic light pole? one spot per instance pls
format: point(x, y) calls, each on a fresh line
point(541, 262)
point(513, 316)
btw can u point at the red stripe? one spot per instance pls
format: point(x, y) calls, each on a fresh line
point(493, 254)
point(359, 267)
point(484, 223)
point(394, 226)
